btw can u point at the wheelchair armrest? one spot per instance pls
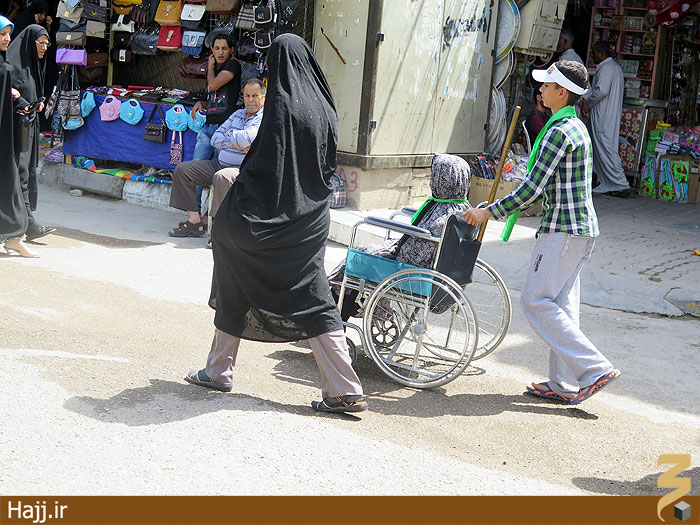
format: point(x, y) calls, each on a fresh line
point(407, 210)
point(406, 229)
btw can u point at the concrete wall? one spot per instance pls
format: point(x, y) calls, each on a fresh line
point(391, 188)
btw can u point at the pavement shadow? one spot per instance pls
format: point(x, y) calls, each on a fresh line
point(645, 486)
point(168, 401)
point(300, 368)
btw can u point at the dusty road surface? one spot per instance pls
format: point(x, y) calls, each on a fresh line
point(97, 334)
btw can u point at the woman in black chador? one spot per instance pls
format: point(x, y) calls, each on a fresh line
point(27, 56)
point(13, 213)
point(270, 232)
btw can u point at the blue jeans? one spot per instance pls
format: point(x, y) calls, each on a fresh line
point(203, 150)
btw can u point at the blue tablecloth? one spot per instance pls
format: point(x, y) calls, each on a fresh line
point(117, 140)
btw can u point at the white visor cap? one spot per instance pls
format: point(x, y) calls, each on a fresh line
point(552, 74)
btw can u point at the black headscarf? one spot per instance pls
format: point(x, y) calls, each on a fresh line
point(286, 173)
point(28, 75)
point(26, 17)
point(270, 232)
point(13, 213)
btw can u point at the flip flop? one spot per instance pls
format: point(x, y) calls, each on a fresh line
point(602, 381)
point(550, 394)
point(340, 404)
point(200, 378)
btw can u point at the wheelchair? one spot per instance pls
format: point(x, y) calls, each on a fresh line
point(423, 326)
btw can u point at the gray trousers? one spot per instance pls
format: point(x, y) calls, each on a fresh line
point(188, 175)
point(330, 351)
point(551, 301)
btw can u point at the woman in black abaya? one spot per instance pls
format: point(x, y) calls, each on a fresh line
point(13, 213)
point(269, 237)
point(27, 56)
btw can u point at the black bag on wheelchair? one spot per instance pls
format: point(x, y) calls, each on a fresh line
point(457, 256)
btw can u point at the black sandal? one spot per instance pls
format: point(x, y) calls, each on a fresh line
point(189, 229)
point(352, 403)
point(202, 379)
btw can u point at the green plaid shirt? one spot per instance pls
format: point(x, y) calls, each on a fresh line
point(562, 176)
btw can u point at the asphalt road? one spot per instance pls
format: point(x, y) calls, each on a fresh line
point(97, 334)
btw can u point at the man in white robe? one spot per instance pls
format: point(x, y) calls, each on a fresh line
point(603, 102)
point(565, 47)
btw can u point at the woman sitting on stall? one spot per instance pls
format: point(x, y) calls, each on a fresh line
point(450, 178)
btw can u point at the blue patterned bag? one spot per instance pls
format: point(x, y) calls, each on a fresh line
point(196, 123)
point(131, 111)
point(176, 118)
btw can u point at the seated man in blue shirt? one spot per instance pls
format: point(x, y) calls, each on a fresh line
point(233, 139)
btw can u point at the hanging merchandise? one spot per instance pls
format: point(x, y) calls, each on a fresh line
point(91, 75)
point(223, 7)
point(145, 41)
point(288, 12)
point(122, 55)
point(131, 111)
point(67, 13)
point(72, 57)
point(71, 4)
point(192, 15)
point(170, 38)
point(266, 15)
point(144, 13)
point(94, 12)
point(245, 49)
point(196, 123)
point(169, 12)
point(192, 42)
point(110, 108)
point(245, 19)
point(155, 132)
point(176, 150)
point(87, 103)
point(69, 108)
point(69, 25)
point(176, 118)
point(95, 29)
point(122, 23)
point(264, 38)
point(70, 38)
point(122, 8)
point(193, 67)
point(121, 40)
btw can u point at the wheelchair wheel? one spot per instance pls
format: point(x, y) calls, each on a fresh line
point(491, 300)
point(352, 350)
point(384, 331)
point(430, 349)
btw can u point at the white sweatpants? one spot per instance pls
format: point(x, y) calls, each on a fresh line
point(551, 300)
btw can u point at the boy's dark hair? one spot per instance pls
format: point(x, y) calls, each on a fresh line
point(577, 73)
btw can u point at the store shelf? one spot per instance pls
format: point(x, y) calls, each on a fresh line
point(636, 54)
point(627, 30)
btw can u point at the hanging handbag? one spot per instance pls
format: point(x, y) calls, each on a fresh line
point(87, 103)
point(223, 7)
point(95, 29)
point(122, 9)
point(69, 104)
point(122, 23)
point(176, 118)
point(288, 12)
point(192, 15)
point(264, 38)
point(71, 4)
point(69, 25)
point(63, 11)
point(121, 40)
point(193, 67)
point(110, 108)
point(72, 57)
point(131, 111)
point(155, 132)
point(192, 42)
point(92, 75)
point(197, 122)
point(245, 50)
point(265, 15)
point(145, 41)
point(70, 38)
point(245, 19)
point(169, 12)
point(97, 60)
point(170, 38)
point(94, 12)
point(144, 13)
point(53, 98)
point(122, 55)
point(176, 150)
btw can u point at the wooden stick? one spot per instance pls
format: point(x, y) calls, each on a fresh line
point(337, 52)
point(499, 170)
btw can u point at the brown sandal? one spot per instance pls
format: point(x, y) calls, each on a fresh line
point(189, 229)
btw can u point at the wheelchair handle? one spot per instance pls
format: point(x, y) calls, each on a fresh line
point(406, 229)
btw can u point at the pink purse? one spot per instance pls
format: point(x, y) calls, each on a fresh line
point(73, 57)
point(110, 108)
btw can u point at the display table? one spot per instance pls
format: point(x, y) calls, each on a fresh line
point(119, 141)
